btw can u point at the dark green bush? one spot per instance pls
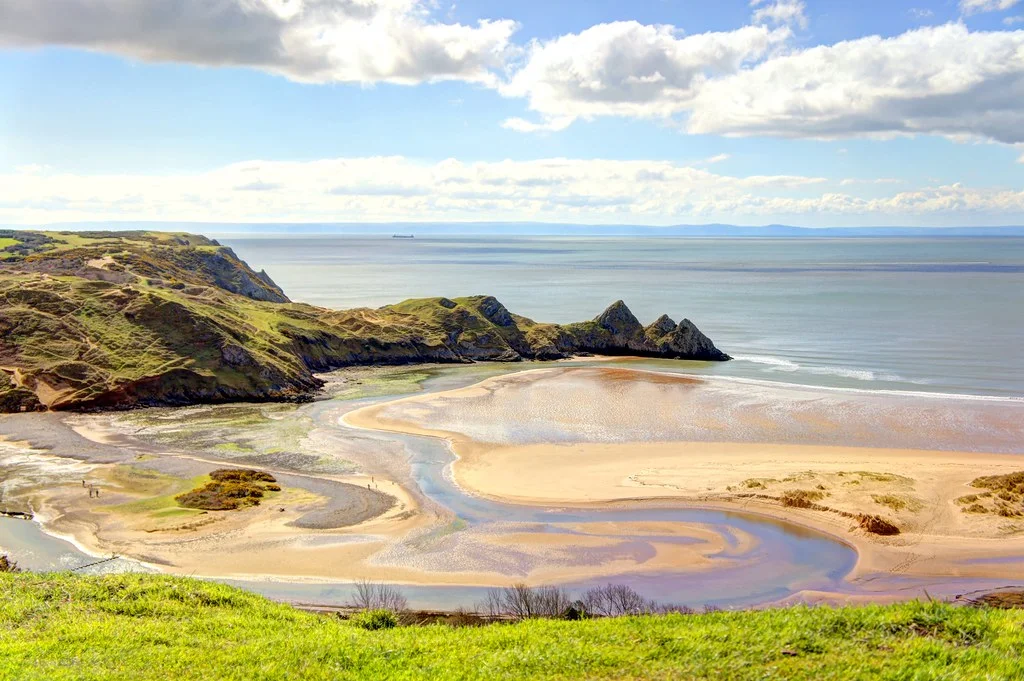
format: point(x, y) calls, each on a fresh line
point(376, 619)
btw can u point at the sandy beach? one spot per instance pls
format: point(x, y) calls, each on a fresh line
point(922, 491)
point(608, 442)
point(322, 527)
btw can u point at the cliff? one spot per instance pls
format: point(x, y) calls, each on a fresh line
point(122, 319)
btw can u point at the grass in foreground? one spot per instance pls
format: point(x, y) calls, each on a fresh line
point(155, 627)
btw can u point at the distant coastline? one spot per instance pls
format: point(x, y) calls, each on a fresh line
point(542, 229)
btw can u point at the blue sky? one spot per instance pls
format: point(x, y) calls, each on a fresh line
point(599, 112)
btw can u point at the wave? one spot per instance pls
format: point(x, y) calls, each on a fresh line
point(781, 364)
point(783, 385)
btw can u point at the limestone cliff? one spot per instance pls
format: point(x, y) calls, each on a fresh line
point(125, 319)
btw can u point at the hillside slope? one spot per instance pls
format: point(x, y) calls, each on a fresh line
point(121, 319)
point(155, 627)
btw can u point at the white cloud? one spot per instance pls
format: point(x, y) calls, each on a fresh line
point(718, 158)
point(878, 180)
point(592, 191)
point(977, 6)
point(939, 80)
point(780, 12)
point(362, 41)
point(553, 124)
point(942, 80)
point(1011, 21)
point(920, 13)
point(628, 69)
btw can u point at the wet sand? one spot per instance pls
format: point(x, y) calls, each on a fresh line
point(590, 465)
point(602, 440)
point(323, 526)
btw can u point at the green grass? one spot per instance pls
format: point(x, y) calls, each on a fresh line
point(159, 505)
point(151, 627)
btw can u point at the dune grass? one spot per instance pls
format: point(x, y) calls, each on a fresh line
point(155, 627)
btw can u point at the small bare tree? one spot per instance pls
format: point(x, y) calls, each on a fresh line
point(615, 600)
point(372, 595)
point(522, 602)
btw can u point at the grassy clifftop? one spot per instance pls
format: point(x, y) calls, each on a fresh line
point(150, 627)
point(119, 319)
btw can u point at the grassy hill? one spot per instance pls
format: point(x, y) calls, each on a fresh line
point(122, 319)
point(153, 627)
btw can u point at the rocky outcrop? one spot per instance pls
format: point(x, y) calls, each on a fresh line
point(685, 341)
point(617, 331)
point(139, 319)
point(228, 272)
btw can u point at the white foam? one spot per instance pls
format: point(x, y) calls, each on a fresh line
point(782, 364)
point(783, 385)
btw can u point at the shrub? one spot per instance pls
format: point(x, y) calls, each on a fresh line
point(241, 475)
point(230, 489)
point(8, 565)
point(374, 620)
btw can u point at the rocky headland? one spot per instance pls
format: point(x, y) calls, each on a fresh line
point(114, 320)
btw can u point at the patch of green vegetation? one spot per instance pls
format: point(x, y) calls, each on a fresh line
point(801, 498)
point(1004, 495)
point(59, 627)
point(898, 502)
point(758, 483)
point(233, 447)
point(175, 513)
point(361, 383)
point(877, 477)
point(374, 620)
point(230, 489)
point(160, 490)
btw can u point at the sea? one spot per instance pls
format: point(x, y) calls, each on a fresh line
point(913, 315)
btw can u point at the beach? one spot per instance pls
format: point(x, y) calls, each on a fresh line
point(576, 473)
point(920, 490)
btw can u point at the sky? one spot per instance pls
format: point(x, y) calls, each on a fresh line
point(815, 113)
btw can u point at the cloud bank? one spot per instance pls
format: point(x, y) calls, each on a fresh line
point(942, 80)
point(751, 81)
point(312, 41)
point(553, 190)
